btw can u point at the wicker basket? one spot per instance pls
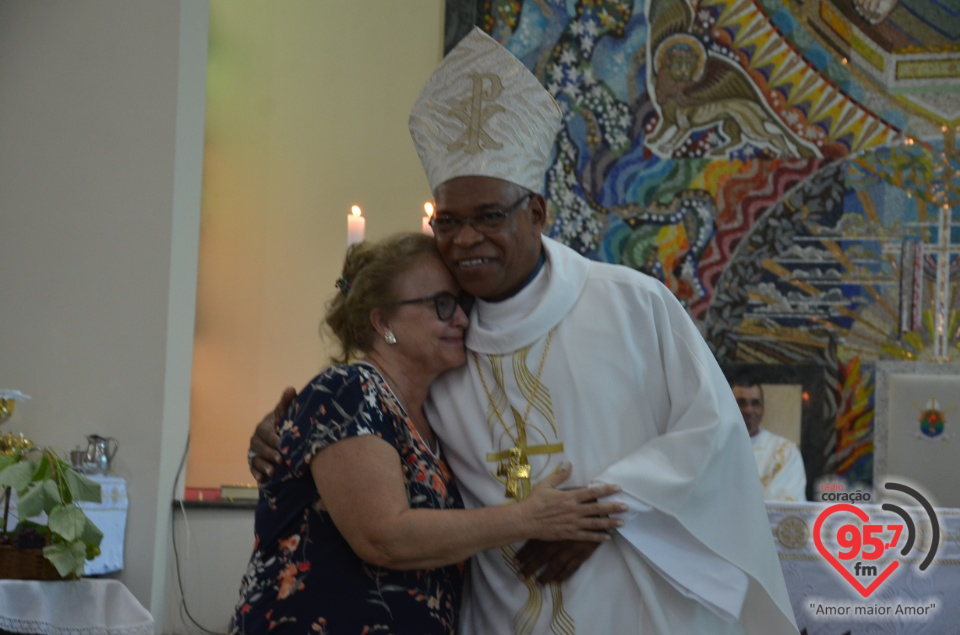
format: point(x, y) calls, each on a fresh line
point(26, 564)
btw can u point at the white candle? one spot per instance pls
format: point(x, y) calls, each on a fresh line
point(428, 210)
point(356, 224)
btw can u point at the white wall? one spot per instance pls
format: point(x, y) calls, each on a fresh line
point(101, 129)
point(307, 108)
point(213, 547)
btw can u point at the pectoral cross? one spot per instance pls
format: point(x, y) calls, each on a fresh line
point(514, 462)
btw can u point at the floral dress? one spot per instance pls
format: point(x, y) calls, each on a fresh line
point(303, 577)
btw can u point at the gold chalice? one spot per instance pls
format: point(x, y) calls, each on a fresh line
point(11, 442)
point(6, 408)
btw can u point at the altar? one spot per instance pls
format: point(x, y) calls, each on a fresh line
point(74, 607)
point(910, 601)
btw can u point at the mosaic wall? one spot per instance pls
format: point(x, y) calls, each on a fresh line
point(787, 169)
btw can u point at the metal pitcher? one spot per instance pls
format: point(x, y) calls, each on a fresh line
point(100, 453)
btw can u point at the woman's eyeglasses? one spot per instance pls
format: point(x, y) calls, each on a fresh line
point(445, 303)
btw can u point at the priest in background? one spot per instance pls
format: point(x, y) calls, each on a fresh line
point(779, 462)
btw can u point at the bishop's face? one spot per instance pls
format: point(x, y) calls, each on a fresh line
point(490, 264)
point(750, 400)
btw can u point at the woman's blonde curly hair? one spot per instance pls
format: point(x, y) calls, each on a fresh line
point(368, 282)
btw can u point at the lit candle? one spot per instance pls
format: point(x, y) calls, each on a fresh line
point(355, 226)
point(428, 210)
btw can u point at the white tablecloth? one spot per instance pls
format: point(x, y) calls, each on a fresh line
point(79, 607)
point(110, 517)
point(817, 590)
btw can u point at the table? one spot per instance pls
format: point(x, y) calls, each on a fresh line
point(77, 607)
point(819, 593)
point(110, 517)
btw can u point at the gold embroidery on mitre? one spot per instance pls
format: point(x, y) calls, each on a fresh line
point(475, 112)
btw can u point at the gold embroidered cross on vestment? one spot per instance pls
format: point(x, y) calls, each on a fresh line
point(514, 462)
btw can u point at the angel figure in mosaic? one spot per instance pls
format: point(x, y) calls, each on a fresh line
point(694, 90)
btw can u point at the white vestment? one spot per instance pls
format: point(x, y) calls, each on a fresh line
point(780, 466)
point(632, 392)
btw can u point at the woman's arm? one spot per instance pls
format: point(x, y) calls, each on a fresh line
point(361, 486)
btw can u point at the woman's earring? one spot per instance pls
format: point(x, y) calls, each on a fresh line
point(390, 337)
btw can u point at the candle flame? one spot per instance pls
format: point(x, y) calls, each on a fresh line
point(428, 209)
point(355, 210)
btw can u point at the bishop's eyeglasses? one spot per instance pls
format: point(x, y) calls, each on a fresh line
point(491, 221)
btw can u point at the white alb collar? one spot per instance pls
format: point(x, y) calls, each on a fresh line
point(509, 325)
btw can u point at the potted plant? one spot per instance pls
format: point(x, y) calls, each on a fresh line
point(51, 523)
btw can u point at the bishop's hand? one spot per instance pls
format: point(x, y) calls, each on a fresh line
point(264, 452)
point(553, 561)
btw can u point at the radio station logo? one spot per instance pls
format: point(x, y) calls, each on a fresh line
point(866, 552)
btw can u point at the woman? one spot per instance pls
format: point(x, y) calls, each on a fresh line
point(361, 529)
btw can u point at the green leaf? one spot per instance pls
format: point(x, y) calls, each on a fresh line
point(68, 521)
point(7, 460)
point(44, 470)
point(18, 476)
point(68, 558)
point(82, 488)
point(38, 497)
point(91, 535)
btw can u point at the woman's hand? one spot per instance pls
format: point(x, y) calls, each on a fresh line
point(575, 514)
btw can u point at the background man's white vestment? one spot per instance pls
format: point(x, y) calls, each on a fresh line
point(780, 466)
